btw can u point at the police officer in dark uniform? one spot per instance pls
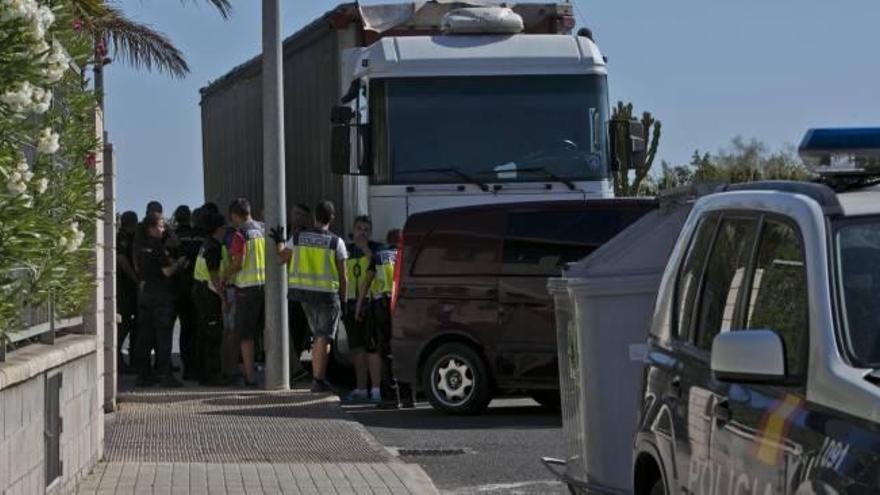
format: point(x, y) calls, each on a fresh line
point(209, 295)
point(156, 305)
point(126, 288)
point(190, 241)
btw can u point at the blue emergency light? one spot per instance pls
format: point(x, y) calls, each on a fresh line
point(850, 151)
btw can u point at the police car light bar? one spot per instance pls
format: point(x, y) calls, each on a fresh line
point(844, 151)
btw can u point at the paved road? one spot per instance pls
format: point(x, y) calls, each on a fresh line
point(498, 452)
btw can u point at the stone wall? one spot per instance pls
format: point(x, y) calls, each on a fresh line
point(22, 414)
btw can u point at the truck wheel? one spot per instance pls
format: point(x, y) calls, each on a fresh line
point(549, 399)
point(456, 381)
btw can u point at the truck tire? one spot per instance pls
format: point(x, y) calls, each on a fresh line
point(456, 381)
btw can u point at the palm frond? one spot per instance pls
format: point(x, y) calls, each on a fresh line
point(222, 6)
point(138, 44)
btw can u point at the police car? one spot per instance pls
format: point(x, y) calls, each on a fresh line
point(763, 367)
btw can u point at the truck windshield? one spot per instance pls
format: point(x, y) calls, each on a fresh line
point(857, 252)
point(495, 129)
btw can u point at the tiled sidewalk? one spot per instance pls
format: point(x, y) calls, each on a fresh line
point(198, 440)
point(201, 478)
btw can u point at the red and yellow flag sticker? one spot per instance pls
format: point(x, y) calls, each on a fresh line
point(770, 443)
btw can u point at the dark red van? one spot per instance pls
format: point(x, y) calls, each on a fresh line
point(472, 315)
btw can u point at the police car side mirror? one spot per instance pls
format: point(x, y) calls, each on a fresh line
point(748, 356)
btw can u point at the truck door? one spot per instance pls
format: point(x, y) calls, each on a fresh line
point(753, 423)
point(712, 310)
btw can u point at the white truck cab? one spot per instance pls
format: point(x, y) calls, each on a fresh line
point(463, 119)
point(764, 350)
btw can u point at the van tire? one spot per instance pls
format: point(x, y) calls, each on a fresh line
point(445, 378)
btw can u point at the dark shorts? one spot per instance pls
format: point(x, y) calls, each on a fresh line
point(250, 312)
point(323, 316)
point(367, 334)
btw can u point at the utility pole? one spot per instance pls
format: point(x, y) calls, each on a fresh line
point(274, 201)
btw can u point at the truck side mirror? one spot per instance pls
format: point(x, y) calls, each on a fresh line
point(342, 114)
point(628, 144)
point(750, 356)
point(341, 137)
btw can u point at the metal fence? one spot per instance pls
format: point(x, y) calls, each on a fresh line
point(40, 324)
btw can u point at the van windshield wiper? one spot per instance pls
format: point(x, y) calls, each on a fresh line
point(550, 175)
point(454, 172)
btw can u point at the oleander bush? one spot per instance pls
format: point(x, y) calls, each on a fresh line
point(48, 151)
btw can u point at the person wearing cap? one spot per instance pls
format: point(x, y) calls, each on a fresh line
point(317, 279)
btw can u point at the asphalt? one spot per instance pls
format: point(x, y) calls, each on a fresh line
point(497, 452)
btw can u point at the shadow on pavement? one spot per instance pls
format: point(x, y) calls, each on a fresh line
point(425, 417)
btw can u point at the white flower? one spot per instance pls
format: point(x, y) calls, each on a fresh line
point(26, 177)
point(22, 166)
point(46, 16)
point(27, 201)
point(42, 185)
point(15, 177)
point(58, 62)
point(16, 187)
point(48, 141)
point(15, 9)
point(42, 100)
point(19, 99)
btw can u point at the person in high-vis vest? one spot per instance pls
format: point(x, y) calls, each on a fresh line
point(316, 278)
point(209, 294)
point(247, 272)
point(375, 306)
point(361, 332)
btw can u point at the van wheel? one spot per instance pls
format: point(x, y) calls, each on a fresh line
point(658, 488)
point(456, 381)
point(549, 399)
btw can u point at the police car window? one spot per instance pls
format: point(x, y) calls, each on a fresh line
point(723, 282)
point(540, 243)
point(691, 274)
point(858, 279)
point(778, 295)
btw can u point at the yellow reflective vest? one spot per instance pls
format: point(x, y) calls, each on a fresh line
point(253, 268)
point(383, 283)
point(201, 272)
point(356, 268)
point(312, 265)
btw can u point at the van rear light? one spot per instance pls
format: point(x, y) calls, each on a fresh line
point(395, 289)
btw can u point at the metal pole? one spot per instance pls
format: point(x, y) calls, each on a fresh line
point(274, 203)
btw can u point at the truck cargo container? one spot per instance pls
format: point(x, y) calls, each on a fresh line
point(434, 105)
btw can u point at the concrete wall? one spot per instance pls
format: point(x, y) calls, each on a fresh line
point(22, 414)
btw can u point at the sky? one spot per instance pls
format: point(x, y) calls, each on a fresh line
point(709, 71)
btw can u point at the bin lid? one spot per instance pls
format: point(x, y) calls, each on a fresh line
point(641, 249)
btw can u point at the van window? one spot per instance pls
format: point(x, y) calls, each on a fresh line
point(464, 245)
point(725, 277)
point(540, 243)
point(691, 274)
point(778, 296)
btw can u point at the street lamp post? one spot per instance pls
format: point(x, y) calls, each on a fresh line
point(274, 201)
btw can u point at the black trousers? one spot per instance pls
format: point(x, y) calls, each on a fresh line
point(300, 334)
point(207, 348)
point(381, 309)
point(155, 330)
point(127, 307)
point(189, 330)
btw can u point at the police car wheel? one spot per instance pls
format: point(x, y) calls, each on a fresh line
point(456, 381)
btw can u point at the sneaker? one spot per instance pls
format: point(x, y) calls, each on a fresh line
point(375, 397)
point(321, 386)
point(357, 396)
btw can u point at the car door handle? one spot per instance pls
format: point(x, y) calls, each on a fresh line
point(721, 412)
